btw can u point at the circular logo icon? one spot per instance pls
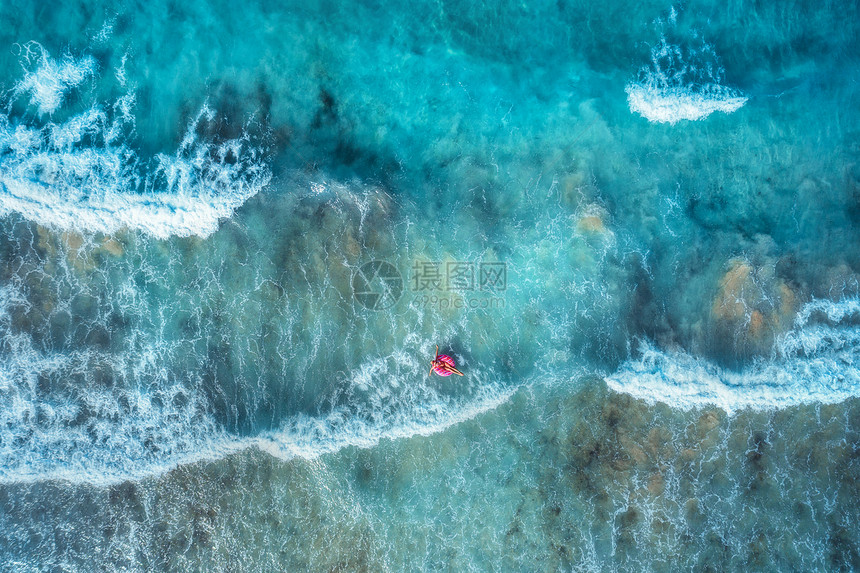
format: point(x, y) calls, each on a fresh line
point(377, 285)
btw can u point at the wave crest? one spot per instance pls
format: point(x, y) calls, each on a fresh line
point(817, 361)
point(681, 84)
point(95, 417)
point(83, 175)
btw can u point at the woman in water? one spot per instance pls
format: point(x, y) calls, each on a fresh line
point(443, 365)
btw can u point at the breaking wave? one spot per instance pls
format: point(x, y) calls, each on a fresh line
point(83, 174)
point(95, 417)
point(817, 361)
point(681, 84)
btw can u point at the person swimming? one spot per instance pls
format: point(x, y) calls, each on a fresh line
point(443, 365)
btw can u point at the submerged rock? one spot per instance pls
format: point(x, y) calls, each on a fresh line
point(112, 246)
point(735, 287)
point(751, 307)
point(590, 224)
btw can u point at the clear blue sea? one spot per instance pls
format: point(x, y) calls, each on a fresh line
point(232, 236)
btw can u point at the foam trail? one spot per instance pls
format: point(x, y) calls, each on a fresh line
point(88, 433)
point(817, 361)
point(58, 421)
point(385, 401)
point(83, 175)
point(310, 437)
point(48, 83)
point(72, 458)
point(681, 85)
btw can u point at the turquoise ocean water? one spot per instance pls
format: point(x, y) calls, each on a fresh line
point(231, 237)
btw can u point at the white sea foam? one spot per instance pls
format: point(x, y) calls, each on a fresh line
point(53, 429)
point(148, 420)
point(311, 437)
point(82, 174)
point(666, 104)
point(681, 84)
point(50, 79)
point(817, 361)
point(152, 441)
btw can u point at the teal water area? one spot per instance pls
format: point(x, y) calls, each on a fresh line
point(199, 370)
